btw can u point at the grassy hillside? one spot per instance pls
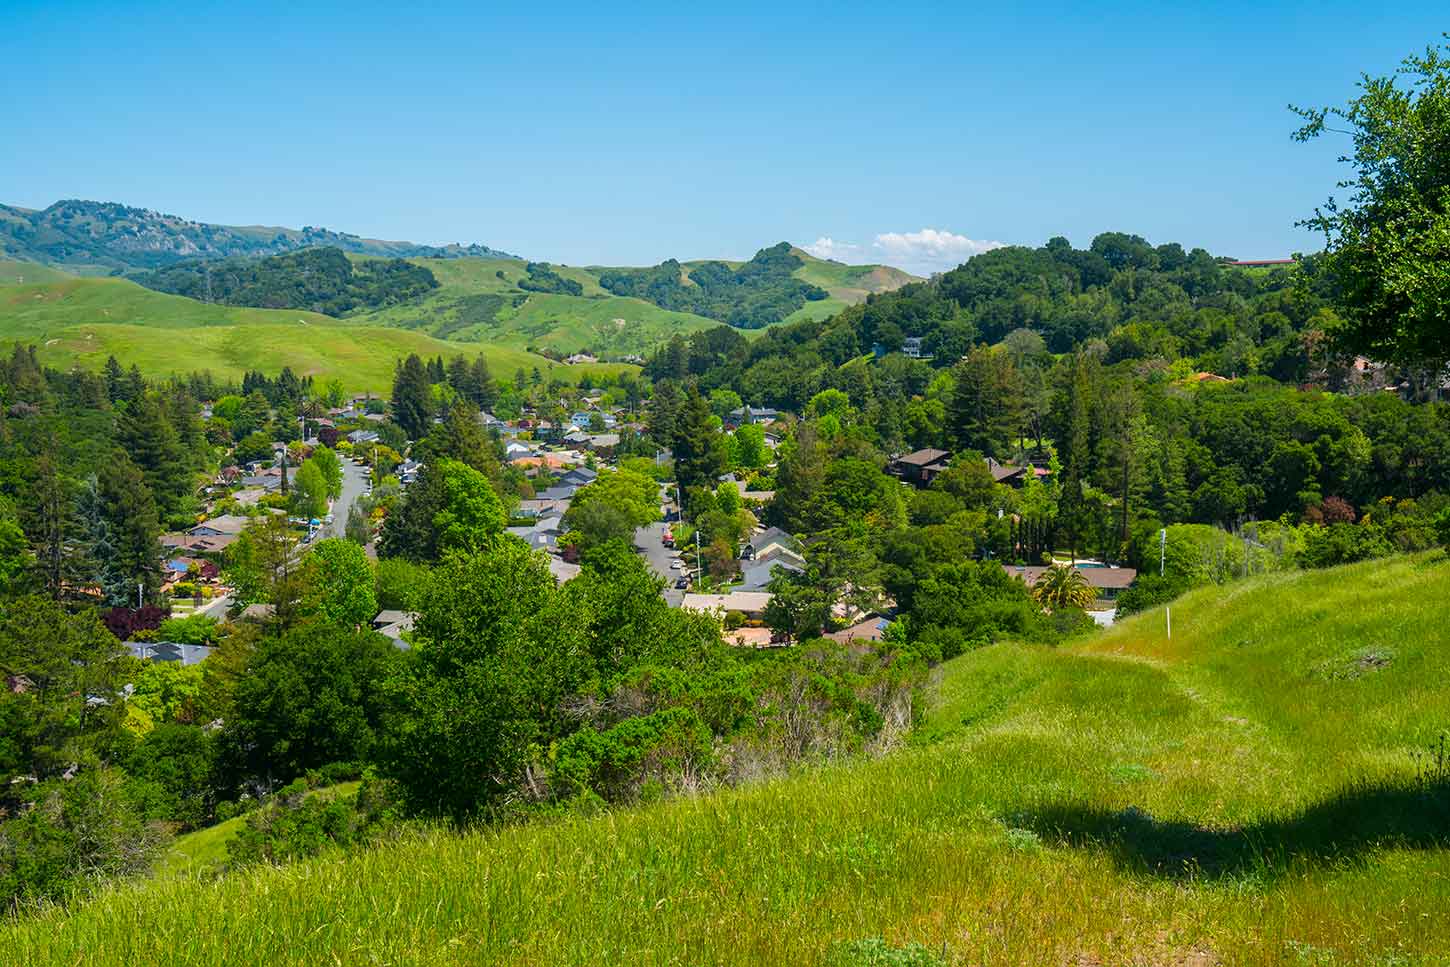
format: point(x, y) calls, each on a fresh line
point(480, 301)
point(848, 285)
point(20, 273)
point(82, 321)
point(475, 304)
point(1241, 794)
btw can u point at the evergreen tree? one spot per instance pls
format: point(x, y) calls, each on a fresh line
point(115, 379)
point(129, 552)
point(664, 412)
point(151, 442)
point(699, 458)
point(413, 398)
point(986, 403)
point(484, 385)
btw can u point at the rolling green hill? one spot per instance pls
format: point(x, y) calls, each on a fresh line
point(82, 321)
point(1243, 793)
point(481, 300)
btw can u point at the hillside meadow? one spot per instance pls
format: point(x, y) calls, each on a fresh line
point(82, 321)
point(1244, 793)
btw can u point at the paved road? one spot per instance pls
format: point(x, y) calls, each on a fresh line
point(650, 542)
point(354, 482)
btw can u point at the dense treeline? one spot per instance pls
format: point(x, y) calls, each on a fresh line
point(760, 292)
point(543, 278)
point(318, 279)
point(1127, 299)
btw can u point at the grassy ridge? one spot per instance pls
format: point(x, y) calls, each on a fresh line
point(596, 321)
point(1237, 795)
point(82, 321)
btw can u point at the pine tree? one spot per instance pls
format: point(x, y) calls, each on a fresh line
point(699, 459)
point(986, 403)
point(413, 398)
point(151, 442)
point(486, 388)
point(115, 379)
point(129, 552)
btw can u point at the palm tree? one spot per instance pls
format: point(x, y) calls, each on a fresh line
point(1062, 586)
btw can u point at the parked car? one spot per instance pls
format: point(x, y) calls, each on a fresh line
point(676, 564)
point(682, 583)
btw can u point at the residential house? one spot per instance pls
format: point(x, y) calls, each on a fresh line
point(393, 624)
point(757, 575)
point(870, 628)
point(773, 543)
point(752, 604)
point(177, 651)
point(1013, 475)
point(1105, 580)
point(742, 415)
point(562, 570)
point(229, 525)
point(911, 347)
point(579, 477)
point(362, 437)
point(584, 418)
point(537, 507)
point(920, 468)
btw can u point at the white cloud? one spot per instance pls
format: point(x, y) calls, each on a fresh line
point(929, 250)
point(826, 247)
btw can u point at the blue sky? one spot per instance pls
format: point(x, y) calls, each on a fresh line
point(585, 133)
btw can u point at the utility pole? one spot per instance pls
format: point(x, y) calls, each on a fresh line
point(140, 586)
point(1162, 564)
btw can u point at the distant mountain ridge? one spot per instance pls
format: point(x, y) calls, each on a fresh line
point(90, 237)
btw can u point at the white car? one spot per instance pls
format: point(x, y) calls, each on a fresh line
point(677, 564)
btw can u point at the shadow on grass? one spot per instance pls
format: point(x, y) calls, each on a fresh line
point(1353, 821)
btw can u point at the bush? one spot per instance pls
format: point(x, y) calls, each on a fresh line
point(298, 823)
point(1342, 544)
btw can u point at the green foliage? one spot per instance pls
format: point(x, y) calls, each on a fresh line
point(319, 279)
point(760, 292)
point(542, 278)
point(310, 697)
point(193, 629)
point(499, 648)
point(309, 491)
point(616, 762)
point(400, 584)
point(55, 664)
point(71, 836)
point(613, 507)
point(167, 692)
point(171, 775)
point(298, 823)
point(1388, 247)
point(331, 467)
point(340, 584)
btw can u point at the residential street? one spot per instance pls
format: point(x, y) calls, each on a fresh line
point(354, 482)
point(650, 541)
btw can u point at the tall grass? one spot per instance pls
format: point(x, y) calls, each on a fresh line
point(1241, 794)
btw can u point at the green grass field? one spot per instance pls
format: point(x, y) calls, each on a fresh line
point(82, 321)
point(596, 321)
point(20, 273)
point(1241, 794)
